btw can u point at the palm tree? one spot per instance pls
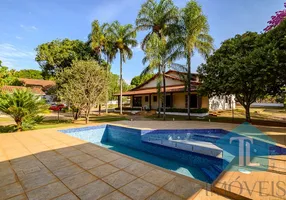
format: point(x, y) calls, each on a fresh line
point(124, 37)
point(193, 35)
point(22, 106)
point(160, 19)
point(159, 56)
point(101, 41)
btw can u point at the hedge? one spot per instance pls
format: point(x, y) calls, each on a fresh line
point(184, 110)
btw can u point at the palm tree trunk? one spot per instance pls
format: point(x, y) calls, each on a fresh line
point(107, 81)
point(164, 101)
point(189, 84)
point(159, 93)
point(120, 83)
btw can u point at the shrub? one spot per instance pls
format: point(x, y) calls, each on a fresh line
point(184, 110)
point(24, 107)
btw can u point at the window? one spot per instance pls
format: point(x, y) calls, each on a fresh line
point(137, 101)
point(193, 101)
point(154, 98)
point(146, 98)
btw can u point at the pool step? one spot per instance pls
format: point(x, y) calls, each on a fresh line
point(196, 146)
point(212, 171)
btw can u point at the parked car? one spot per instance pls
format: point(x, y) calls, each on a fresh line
point(57, 107)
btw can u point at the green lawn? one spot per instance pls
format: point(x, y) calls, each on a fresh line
point(64, 123)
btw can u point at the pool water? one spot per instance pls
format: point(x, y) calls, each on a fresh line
point(134, 143)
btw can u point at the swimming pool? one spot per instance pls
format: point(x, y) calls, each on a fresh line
point(169, 153)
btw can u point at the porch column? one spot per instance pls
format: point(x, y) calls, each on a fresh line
point(171, 99)
point(199, 101)
point(150, 101)
point(132, 102)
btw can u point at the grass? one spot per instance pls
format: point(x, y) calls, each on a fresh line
point(259, 116)
point(63, 123)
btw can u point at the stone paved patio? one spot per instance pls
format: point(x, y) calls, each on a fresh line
point(47, 164)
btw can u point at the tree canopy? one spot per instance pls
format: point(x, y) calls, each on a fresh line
point(243, 66)
point(7, 77)
point(59, 54)
point(138, 80)
point(29, 73)
point(82, 85)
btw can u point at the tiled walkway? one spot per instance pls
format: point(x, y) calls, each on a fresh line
point(46, 164)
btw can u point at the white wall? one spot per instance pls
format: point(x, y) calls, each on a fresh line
point(223, 102)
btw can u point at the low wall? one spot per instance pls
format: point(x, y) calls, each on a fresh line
point(278, 105)
point(186, 114)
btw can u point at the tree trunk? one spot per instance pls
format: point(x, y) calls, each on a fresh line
point(99, 109)
point(76, 114)
point(87, 115)
point(159, 94)
point(120, 83)
point(189, 84)
point(19, 125)
point(107, 84)
point(164, 101)
point(247, 113)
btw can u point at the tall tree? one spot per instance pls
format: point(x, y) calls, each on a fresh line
point(242, 66)
point(125, 38)
point(159, 56)
point(193, 36)
point(82, 85)
point(7, 77)
point(276, 19)
point(138, 80)
point(59, 54)
point(29, 73)
point(160, 19)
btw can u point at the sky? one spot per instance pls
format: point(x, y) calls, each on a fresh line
point(25, 24)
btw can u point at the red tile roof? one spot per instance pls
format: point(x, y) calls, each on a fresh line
point(177, 88)
point(37, 82)
point(10, 89)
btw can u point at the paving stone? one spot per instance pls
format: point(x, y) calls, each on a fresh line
point(115, 196)
point(53, 166)
point(78, 180)
point(109, 157)
point(68, 171)
point(89, 164)
point(163, 195)
point(48, 191)
point(68, 196)
point(118, 179)
point(10, 190)
point(94, 190)
point(182, 187)
point(19, 197)
point(37, 180)
point(138, 169)
point(121, 163)
point(158, 177)
point(98, 152)
point(7, 179)
point(69, 152)
point(103, 170)
point(139, 189)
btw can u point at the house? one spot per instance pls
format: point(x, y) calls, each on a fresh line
point(145, 95)
point(38, 87)
point(10, 89)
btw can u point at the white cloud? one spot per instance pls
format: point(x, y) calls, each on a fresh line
point(19, 38)
point(29, 28)
point(11, 55)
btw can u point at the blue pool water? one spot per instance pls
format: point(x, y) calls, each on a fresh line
point(131, 142)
